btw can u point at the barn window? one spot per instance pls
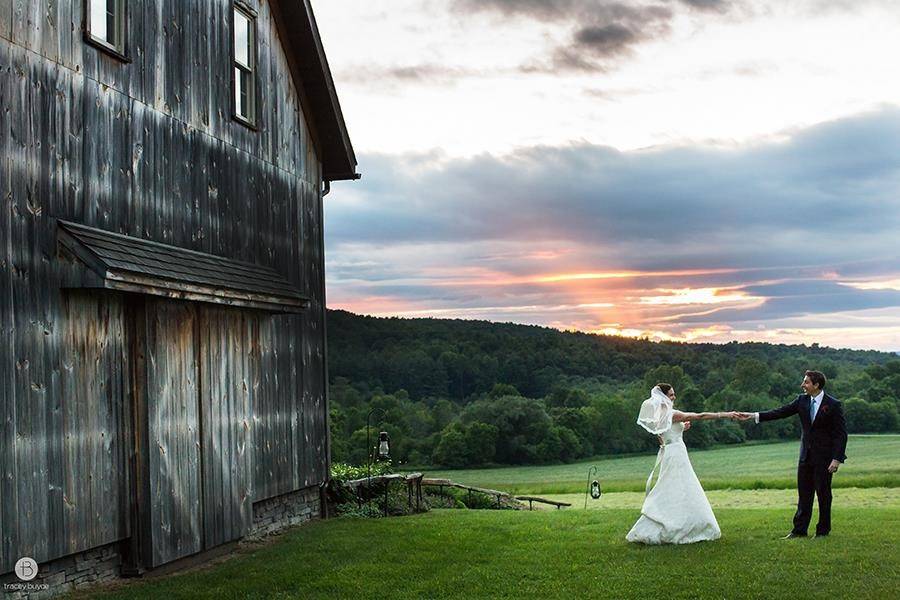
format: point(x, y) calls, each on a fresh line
point(244, 53)
point(105, 25)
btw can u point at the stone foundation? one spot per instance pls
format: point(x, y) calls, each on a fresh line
point(66, 574)
point(103, 564)
point(276, 514)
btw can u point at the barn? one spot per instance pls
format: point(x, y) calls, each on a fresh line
point(162, 371)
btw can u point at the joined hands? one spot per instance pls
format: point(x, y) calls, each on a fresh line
point(737, 416)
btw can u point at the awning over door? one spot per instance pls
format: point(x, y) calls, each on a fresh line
point(126, 263)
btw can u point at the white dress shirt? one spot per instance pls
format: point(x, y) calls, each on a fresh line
point(817, 402)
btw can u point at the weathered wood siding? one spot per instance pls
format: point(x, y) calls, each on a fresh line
point(173, 431)
point(148, 149)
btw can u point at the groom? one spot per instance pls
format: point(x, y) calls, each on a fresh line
point(822, 447)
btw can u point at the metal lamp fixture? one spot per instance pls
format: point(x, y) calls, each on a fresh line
point(593, 486)
point(382, 442)
point(384, 445)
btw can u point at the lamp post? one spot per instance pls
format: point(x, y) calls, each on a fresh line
point(593, 486)
point(384, 446)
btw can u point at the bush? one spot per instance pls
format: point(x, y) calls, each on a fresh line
point(348, 502)
point(343, 472)
point(870, 417)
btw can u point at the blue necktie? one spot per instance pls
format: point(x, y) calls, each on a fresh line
point(812, 410)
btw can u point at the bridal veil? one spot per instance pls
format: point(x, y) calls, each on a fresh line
point(656, 412)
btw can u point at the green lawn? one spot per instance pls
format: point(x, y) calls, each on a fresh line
point(577, 553)
point(551, 554)
point(874, 461)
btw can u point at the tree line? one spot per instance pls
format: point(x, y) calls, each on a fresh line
point(466, 393)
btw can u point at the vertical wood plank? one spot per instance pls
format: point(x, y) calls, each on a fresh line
point(135, 49)
point(200, 70)
point(72, 146)
point(73, 52)
point(243, 431)
point(140, 161)
point(49, 20)
point(64, 31)
point(8, 421)
point(24, 27)
point(175, 80)
point(54, 86)
point(6, 19)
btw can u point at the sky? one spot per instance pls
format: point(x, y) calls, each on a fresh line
point(692, 170)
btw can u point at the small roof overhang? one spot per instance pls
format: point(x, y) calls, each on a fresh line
point(130, 264)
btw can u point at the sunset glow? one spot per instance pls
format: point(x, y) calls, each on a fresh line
point(688, 184)
point(699, 296)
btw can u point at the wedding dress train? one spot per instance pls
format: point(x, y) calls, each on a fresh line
point(676, 511)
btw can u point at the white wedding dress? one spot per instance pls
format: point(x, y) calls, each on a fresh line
point(676, 511)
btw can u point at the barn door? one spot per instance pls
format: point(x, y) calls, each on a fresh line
point(225, 414)
point(171, 508)
point(192, 396)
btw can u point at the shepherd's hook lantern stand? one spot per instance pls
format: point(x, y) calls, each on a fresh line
point(593, 486)
point(384, 451)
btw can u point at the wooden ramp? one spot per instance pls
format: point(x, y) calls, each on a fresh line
point(532, 499)
point(442, 483)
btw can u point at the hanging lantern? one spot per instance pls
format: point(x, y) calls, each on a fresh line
point(593, 486)
point(384, 445)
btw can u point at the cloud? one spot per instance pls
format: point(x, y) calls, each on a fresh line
point(777, 230)
point(804, 299)
point(535, 9)
point(836, 179)
point(416, 73)
point(598, 30)
point(714, 5)
point(606, 39)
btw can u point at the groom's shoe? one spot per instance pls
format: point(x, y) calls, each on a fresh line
point(793, 535)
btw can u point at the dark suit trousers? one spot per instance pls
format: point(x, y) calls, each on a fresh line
point(813, 478)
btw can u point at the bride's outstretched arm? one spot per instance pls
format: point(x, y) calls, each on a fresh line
point(703, 416)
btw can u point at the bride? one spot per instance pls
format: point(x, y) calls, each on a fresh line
point(676, 510)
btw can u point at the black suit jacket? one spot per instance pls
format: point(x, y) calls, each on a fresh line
point(823, 439)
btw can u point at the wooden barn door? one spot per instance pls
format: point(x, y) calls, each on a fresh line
point(192, 437)
point(225, 375)
point(171, 503)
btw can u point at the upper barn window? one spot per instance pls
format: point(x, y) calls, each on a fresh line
point(244, 65)
point(105, 25)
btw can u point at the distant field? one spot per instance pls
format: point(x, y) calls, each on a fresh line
point(873, 461)
point(844, 498)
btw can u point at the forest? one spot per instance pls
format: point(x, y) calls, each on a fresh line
point(458, 393)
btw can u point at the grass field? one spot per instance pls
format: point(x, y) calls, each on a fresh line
point(574, 553)
point(551, 554)
point(873, 461)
